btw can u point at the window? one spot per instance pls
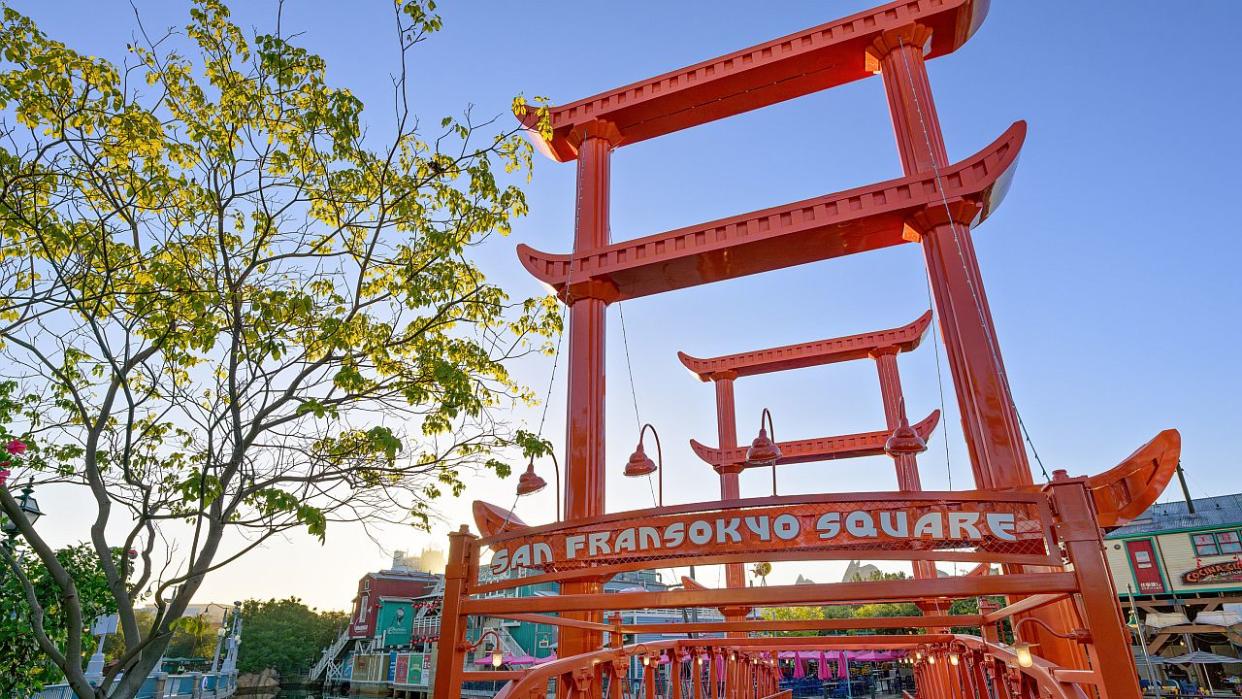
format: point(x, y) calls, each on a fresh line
point(1205, 544)
point(1228, 542)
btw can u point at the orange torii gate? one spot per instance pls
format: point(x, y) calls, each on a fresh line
point(899, 440)
point(1047, 538)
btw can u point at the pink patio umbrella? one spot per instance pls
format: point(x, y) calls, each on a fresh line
point(799, 667)
point(843, 666)
point(823, 666)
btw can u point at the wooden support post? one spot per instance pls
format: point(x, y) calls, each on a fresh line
point(450, 656)
point(584, 430)
point(1109, 643)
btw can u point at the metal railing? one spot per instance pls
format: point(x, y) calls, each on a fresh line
point(328, 659)
point(166, 686)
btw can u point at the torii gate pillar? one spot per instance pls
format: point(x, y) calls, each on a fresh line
point(584, 459)
point(988, 417)
point(989, 420)
point(726, 430)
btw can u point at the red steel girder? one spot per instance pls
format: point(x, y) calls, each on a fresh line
point(808, 354)
point(834, 225)
point(819, 449)
point(799, 64)
point(949, 588)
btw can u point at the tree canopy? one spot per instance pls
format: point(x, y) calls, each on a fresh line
point(227, 304)
point(24, 668)
point(285, 635)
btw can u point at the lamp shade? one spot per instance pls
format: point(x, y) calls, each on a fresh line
point(639, 464)
point(905, 440)
point(530, 482)
point(763, 451)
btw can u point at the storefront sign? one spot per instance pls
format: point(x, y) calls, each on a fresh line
point(1229, 571)
point(395, 622)
point(807, 526)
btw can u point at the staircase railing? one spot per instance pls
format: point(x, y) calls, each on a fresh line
point(329, 656)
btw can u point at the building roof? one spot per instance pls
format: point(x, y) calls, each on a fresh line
point(1217, 511)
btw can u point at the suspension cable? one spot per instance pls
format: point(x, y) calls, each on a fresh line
point(991, 341)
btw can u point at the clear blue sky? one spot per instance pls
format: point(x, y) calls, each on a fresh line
point(1111, 268)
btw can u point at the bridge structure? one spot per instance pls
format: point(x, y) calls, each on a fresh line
point(1045, 540)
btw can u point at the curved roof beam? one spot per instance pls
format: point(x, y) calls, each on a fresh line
point(819, 449)
point(856, 220)
point(798, 64)
point(808, 354)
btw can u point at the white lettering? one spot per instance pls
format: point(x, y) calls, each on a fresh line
point(860, 524)
point(761, 526)
point(500, 561)
point(829, 525)
point(627, 540)
point(597, 543)
point(895, 524)
point(785, 527)
point(675, 535)
point(543, 553)
point(648, 538)
point(700, 532)
point(930, 525)
point(728, 530)
point(521, 557)
point(1002, 525)
point(573, 543)
point(960, 522)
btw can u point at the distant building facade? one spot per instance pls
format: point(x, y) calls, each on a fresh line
point(386, 604)
point(1178, 571)
point(1170, 550)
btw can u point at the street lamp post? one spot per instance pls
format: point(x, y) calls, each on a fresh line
point(1138, 629)
point(30, 509)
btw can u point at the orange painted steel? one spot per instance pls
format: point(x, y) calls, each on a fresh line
point(809, 354)
point(1124, 491)
point(845, 223)
point(584, 425)
point(814, 59)
point(729, 461)
point(979, 658)
point(818, 449)
point(1046, 539)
